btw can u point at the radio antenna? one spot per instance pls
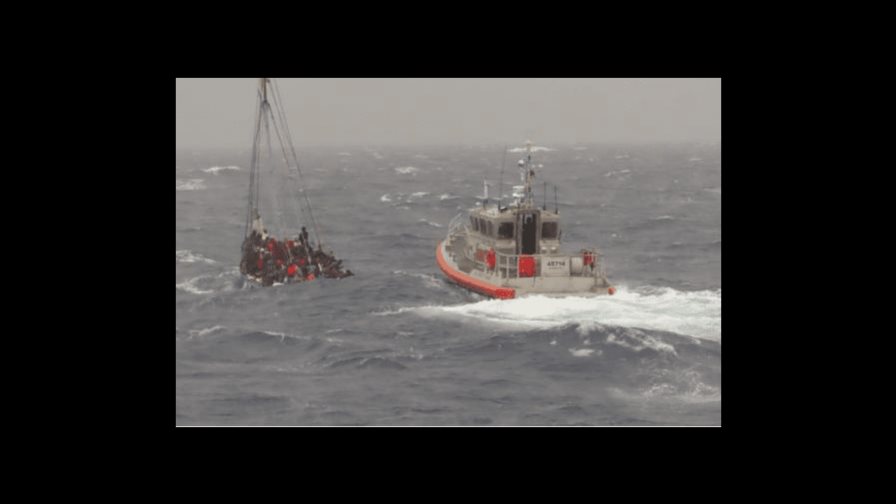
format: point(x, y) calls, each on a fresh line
point(501, 180)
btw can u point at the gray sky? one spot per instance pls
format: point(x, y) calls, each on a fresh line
point(218, 113)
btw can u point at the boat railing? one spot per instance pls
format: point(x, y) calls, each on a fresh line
point(455, 223)
point(507, 265)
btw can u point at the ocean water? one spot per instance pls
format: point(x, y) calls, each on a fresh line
point(397, 344)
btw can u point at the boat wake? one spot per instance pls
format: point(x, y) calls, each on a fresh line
point(697, 314)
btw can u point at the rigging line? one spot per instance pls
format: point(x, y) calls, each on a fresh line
point(277, 209)
point(298, 209)
point(286, 160)
point(258, 153)
point(305, 191)
point(307, 247)
point(253, 166)
point(292, 148)
point(283, 148)
point(285, 126)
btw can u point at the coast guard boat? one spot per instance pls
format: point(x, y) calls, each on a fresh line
point(512, 251)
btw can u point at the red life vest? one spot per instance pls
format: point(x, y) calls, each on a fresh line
point(291, 271)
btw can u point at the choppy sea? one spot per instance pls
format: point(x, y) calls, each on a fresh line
point(398, 344)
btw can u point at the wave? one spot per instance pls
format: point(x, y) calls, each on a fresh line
point(618, 172)
point(189, 185)
point(418, 195)
point(429, 281)
point(385, 198)
point(670, 385)
point(433, 224)
point(405, 170)
point(187, 256)
point(447, 196)
point(217, 169)
point(696, 313)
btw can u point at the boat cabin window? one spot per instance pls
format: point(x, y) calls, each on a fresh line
point(549, 231)
point(491, 229)
point(505, 230)
point(474, 223)
point(481, 225)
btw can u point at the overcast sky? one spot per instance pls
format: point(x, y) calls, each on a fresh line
point(218, 113)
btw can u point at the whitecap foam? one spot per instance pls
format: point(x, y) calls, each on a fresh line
point(218, 169)
point(618, 172)
point(695, 313)
point(189, 185)
point(187, 256)
point(385, 198)
point(535, 148)
point(447, 196)
point(405, 170)
point(190, 286)
point(198, 333)
point(417, 195)
point(433, 224)
point(641, 342)
point(581, 352)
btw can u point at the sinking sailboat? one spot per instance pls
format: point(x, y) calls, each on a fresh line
point(298, 256)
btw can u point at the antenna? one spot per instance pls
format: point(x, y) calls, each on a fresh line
point(545, 195)
point(556, 207)
point(501, 183)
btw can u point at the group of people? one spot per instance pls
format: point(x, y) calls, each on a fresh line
point(287, 261)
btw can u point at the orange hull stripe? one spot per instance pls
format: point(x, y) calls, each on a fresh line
point(472, 283)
